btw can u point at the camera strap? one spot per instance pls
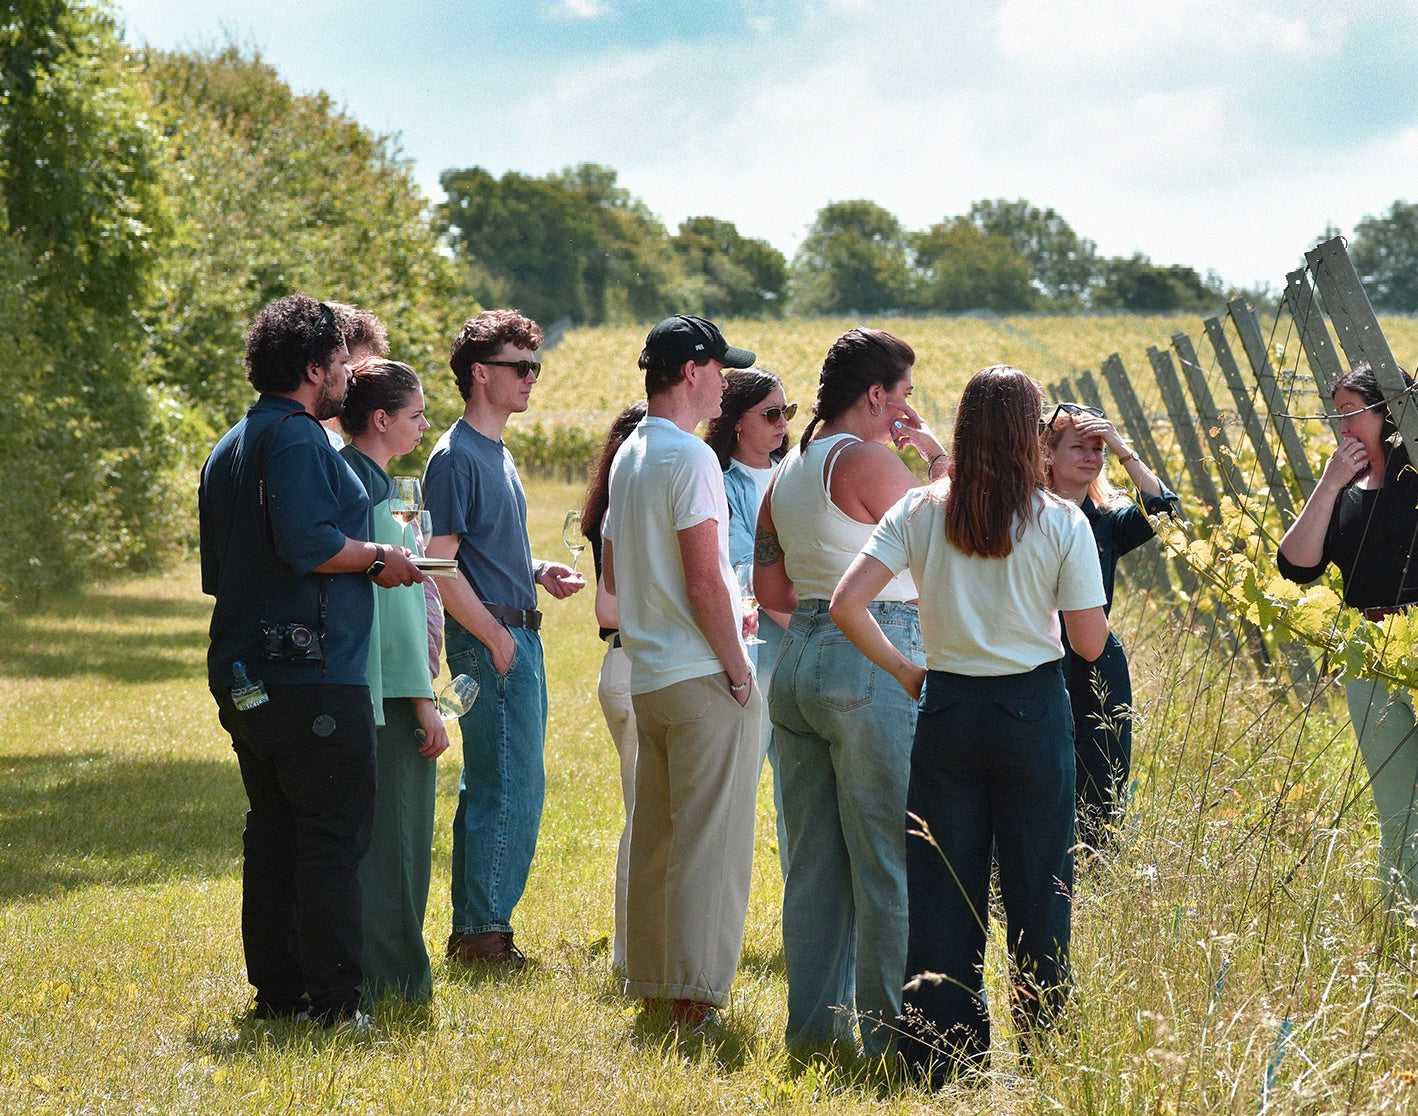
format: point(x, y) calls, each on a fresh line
point(269, 552)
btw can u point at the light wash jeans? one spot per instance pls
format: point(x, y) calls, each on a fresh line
point(503, 785)
point(1383, 721)
point(844, 729)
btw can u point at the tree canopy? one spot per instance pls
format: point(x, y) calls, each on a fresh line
point(1385, 254)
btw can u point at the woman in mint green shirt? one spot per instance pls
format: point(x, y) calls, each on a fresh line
point(384, 418)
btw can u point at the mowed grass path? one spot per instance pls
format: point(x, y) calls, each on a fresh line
point(1232, 957)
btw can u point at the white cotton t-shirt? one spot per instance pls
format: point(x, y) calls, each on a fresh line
point(663, 481)
point(988, 617)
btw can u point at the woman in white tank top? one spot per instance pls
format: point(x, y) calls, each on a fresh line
point(842, 725)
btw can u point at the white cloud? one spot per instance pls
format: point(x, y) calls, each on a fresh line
point(581, 9)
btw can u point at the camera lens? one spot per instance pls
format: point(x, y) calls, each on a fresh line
point(300, 637)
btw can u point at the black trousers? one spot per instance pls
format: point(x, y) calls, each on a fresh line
point(307, 762)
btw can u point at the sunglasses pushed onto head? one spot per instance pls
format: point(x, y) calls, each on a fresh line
point(1069, 409)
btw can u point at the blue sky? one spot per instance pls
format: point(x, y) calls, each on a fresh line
point(1223, 135)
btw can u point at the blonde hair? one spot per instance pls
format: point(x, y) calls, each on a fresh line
point(1101, 491)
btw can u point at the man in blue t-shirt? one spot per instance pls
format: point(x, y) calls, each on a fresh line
point(283, 521)
point(479, 512)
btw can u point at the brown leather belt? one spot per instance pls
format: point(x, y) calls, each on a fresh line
point(1377, 614)
point(528, 618)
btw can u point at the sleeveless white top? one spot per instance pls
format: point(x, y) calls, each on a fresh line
point(819, 539)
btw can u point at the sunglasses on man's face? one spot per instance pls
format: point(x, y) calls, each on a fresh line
point(773, 414)
point(1070, 409)
point(523, 368)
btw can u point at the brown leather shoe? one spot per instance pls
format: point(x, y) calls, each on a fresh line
point(492, 948)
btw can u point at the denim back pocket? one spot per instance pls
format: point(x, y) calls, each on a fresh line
point(845, 678)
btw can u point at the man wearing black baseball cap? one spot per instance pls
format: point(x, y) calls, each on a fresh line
point(697, 709)
point(686, 337)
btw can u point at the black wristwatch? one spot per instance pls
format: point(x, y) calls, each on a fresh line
point(377, 566)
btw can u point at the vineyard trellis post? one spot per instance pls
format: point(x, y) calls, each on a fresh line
point(1250, 421)
point(1325, 365)
point(1248, 329)
point(1359, 333)
point(1212, 424)
point(1184, 426)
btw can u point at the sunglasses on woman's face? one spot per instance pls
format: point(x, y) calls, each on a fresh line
point(773, 414)
point(1070, 409)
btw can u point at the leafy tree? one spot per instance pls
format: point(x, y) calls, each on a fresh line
point(1065, 266)
point(82, 218)
point(1136, 283)
point(727, 275)
point(855, 259)
point(250, 168)
point(573, 244)
point(523, 241)
point(958, 267)
point(1384, 252)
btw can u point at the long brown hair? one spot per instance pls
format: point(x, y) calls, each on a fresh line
point(593, 511)
point(996, 468)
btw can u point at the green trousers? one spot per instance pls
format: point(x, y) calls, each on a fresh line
point(394, 875)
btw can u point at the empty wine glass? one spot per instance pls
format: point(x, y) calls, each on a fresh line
point(571, 535)
point(744, 573)
point(423, 524)
point(457, 697)
point(406, 499)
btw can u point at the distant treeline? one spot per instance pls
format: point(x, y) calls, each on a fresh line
point(151, 202)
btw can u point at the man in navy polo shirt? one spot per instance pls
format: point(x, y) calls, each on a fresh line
point(283, 521)
point(479, 512)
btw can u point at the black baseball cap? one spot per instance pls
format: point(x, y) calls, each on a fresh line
point(686, 337)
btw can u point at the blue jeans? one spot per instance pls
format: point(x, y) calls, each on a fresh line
point(503, 785)
point(764, 655)
point(992, 767)
point(843, 728)
point(1383, 721)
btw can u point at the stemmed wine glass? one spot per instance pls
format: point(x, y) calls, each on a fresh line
point(571, 535)
point(744, 573)
point(457, 697)
point(423, 524)
point(406, 499)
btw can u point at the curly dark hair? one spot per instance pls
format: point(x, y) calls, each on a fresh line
point(858, 360)
point(285, 338)
point(744, 387)
point(482, 336)
point(593, 511)
point(362, 328)
point(377, 385)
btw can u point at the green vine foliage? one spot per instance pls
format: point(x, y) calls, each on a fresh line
point(1234, 561)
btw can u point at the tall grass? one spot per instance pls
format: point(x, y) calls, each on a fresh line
point(1231, 956)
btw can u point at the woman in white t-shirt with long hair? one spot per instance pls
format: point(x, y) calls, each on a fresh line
point(996, 558)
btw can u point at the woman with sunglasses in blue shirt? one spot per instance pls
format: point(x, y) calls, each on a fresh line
point(750, 437)
point(1075, 443)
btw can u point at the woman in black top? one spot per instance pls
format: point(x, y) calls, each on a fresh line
point(1363, 517)
point(1076, 439)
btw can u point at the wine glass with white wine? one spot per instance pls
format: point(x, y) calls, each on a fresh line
point(744, 573)
point(405, 500)
point(571, 535)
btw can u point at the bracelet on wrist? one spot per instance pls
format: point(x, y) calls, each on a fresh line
point(738, 688)
point(930, 461)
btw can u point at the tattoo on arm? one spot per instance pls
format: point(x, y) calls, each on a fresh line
point(766, 550)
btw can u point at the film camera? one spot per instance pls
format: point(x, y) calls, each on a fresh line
point(292, 642)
